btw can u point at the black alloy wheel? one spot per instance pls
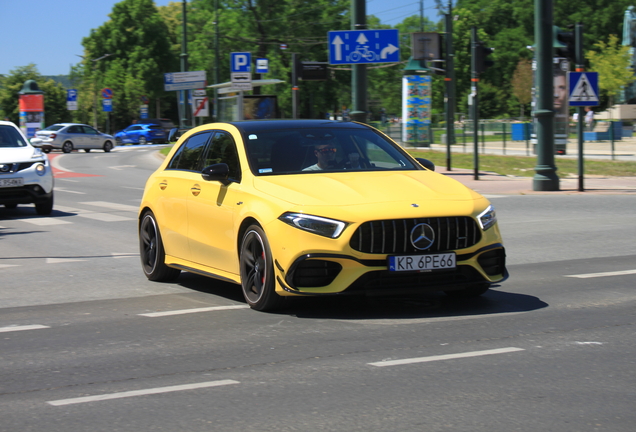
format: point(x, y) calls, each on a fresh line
point(151, 251)
point(257, 271)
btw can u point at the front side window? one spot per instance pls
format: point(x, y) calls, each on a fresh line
point(9, 137)
point(188, 156)
point(223, 150)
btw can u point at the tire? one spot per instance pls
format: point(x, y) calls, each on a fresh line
point(257, 271)
point(470, 292)
point(46, 150)
point(87, 150)
point(45, 208)
point(108, 146)
point(142, 140)
point(153, 256)
point(67, 147)
point(10, 206)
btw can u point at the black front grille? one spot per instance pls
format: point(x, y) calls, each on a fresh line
point(433, 281)
point(394, 236)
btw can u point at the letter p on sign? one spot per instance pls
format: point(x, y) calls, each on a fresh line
point(240, 62)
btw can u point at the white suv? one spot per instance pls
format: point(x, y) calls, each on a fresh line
point(26, 176)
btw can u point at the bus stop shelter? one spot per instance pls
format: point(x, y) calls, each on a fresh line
point(234, 105)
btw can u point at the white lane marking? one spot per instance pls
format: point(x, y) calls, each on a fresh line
point(445, 357)
point(59, 189)
point(9, 265)
point(145, 392)
point(588, 343)
point(603, 274)
point(23, 327)
point(44, 221)
point(113, 206)
point(72, 209)
point(188, 311)
point(63, 260)
point(104, 217)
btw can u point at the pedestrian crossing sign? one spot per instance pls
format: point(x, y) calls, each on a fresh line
point(583, 88)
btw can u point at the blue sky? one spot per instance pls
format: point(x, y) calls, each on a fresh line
point(48, 33)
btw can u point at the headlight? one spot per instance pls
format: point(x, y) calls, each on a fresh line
point(487, 218)
point(40, 169)
point(314, 224)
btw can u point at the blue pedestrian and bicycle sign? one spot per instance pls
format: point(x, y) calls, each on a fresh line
point(364, 46)
point(583, 88)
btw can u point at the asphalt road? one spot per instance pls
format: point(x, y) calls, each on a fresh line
point(87, 343)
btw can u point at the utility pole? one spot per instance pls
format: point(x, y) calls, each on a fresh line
point(545, 178)
point(359, 71)
point(450, 86)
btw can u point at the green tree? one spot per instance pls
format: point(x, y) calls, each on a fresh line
point(129, 54)
point(55, 110)
point(613, 63)
point(522, 82)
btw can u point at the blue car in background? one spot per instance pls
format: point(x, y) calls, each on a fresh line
point(141, 134)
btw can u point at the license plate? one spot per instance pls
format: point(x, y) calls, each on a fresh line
point(442, 261)
point(12, 182)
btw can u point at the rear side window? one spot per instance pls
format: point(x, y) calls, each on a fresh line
point(188, 156)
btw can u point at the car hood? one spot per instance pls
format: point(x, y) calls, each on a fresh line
point(360, 188)
point(18, 154)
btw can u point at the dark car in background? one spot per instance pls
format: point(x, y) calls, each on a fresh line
point(166, 124)
point(141, 134)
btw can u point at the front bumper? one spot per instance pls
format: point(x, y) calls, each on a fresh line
point(36, 189)
point(342, 270)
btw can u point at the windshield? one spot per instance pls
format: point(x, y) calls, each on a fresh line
point(294, 151)
point(10, 137)
point(55, 127)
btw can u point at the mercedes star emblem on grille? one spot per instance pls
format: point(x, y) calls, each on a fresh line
point(422, 236)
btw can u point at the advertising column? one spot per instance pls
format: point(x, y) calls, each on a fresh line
point(416, 109)
point(31, 108)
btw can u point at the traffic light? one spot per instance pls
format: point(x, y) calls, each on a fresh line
point(563, 43)
point(481, 57)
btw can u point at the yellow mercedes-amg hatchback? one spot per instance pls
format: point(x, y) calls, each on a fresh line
point(314, 207)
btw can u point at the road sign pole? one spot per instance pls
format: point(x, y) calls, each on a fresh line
point(359, 71)
point(450, 87)
point(184, 65)
point(545, 178)
point(578, 42)
point(474, 97)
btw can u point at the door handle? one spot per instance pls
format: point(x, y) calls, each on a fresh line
point(196, 190)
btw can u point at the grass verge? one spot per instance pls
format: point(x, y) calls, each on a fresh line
point(524, 166)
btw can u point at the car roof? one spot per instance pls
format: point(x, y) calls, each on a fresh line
point(248, 126)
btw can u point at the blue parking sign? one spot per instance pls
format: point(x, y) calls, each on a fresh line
point(240, 62)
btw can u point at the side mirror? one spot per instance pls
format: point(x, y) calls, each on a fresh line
point(173, 135)
point(217, 172)
point(426, 163)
